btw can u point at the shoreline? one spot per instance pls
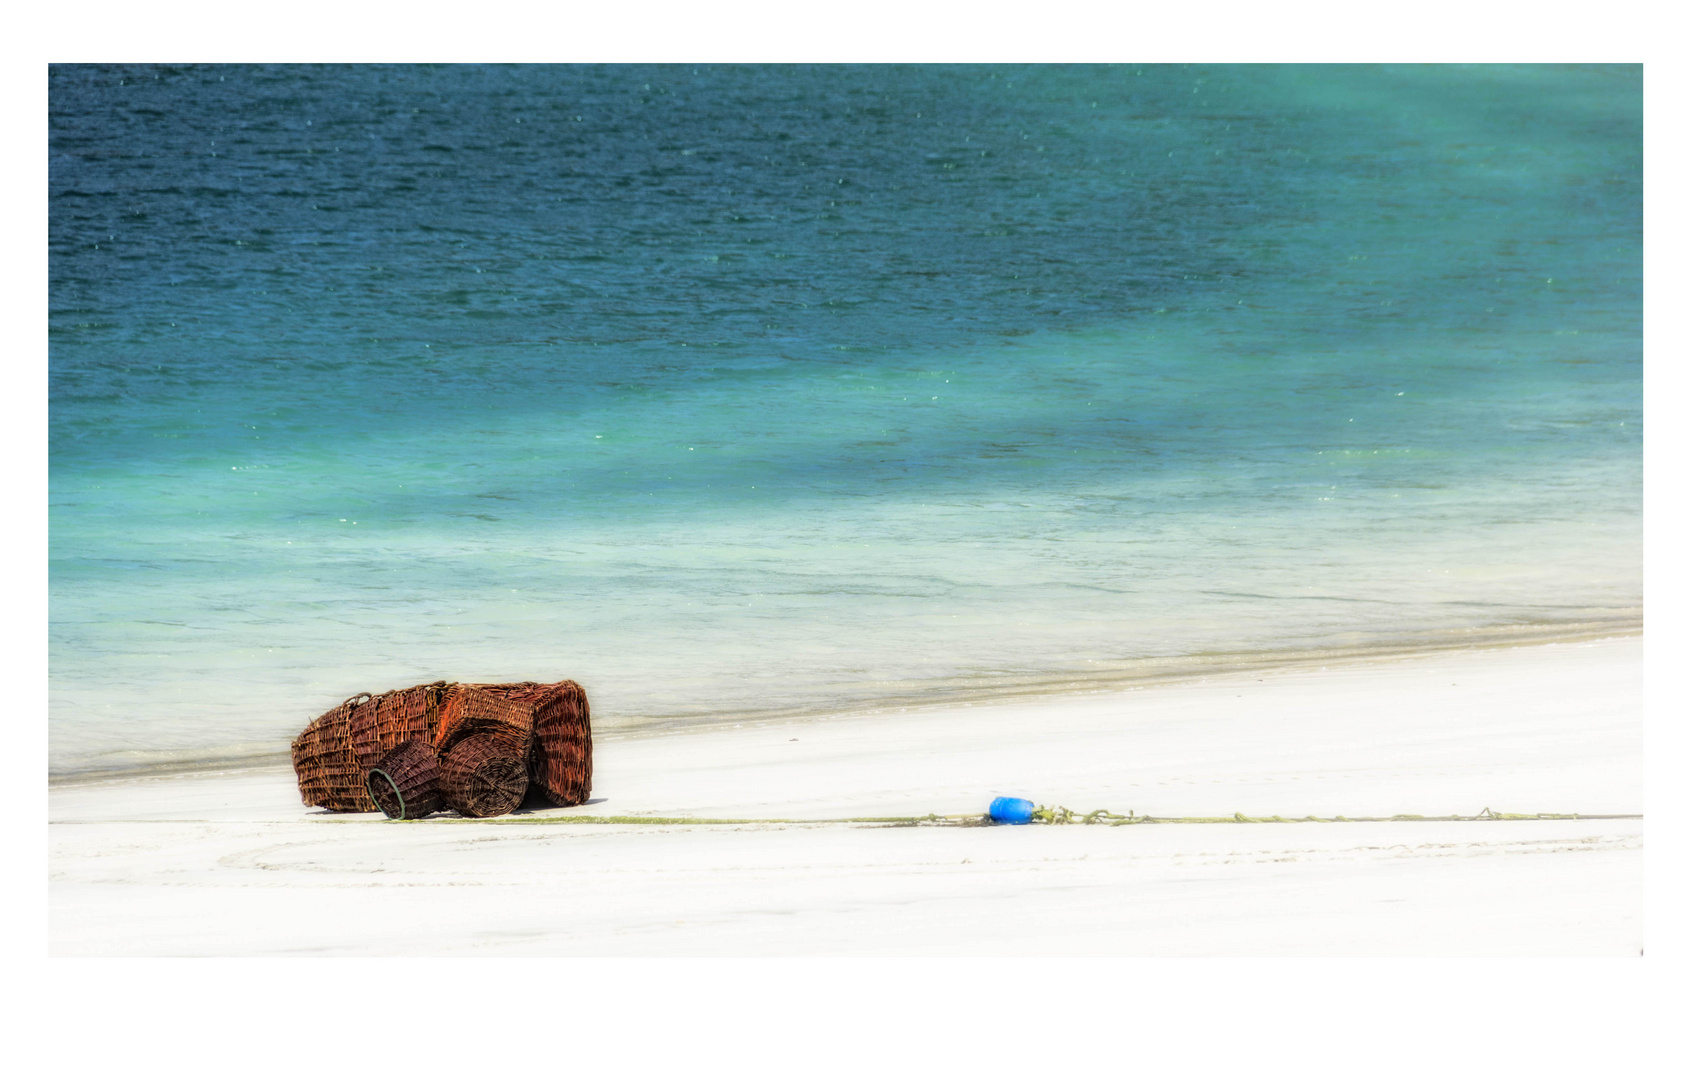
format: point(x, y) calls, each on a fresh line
point(985, 690)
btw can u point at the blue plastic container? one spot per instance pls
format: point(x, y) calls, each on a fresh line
point(1011, 811)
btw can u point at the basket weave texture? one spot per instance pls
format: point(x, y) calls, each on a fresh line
point(325, 762)
point(560, 761)
point(404, 783)
point(393, 718)
point(484, 774)
point(332, 756)
point(544, 726)
point(469, 710)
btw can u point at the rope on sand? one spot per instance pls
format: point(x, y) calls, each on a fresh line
point(1043, 815)
point(1058, 815)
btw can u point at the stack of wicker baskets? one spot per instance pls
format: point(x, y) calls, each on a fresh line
point(480, 750)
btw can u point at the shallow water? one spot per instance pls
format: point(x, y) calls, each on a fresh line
point(784, 388)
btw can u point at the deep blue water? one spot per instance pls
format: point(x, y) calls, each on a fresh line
point(732, 388)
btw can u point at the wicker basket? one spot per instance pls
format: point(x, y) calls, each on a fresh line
point(335, 755)
point(560, 762)
point(390, 719)
point(405, 781)
point(469, 710)
point(484, 774)
point(325, 762)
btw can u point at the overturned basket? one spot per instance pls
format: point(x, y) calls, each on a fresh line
point(484, 775)
point(404, 783)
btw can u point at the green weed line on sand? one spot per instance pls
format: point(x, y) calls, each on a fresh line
point(1043, 815)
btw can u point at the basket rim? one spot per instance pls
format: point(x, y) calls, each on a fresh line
point(369, 785)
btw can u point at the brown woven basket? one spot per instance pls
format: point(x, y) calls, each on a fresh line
point(484, 774)
point(405, 781)
point(326, 764)
point(469, 710)
point(390, 719)
point(560, 762)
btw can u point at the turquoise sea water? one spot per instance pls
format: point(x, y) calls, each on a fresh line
point(736, 389)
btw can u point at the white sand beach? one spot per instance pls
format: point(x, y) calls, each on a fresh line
point(231, 863)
